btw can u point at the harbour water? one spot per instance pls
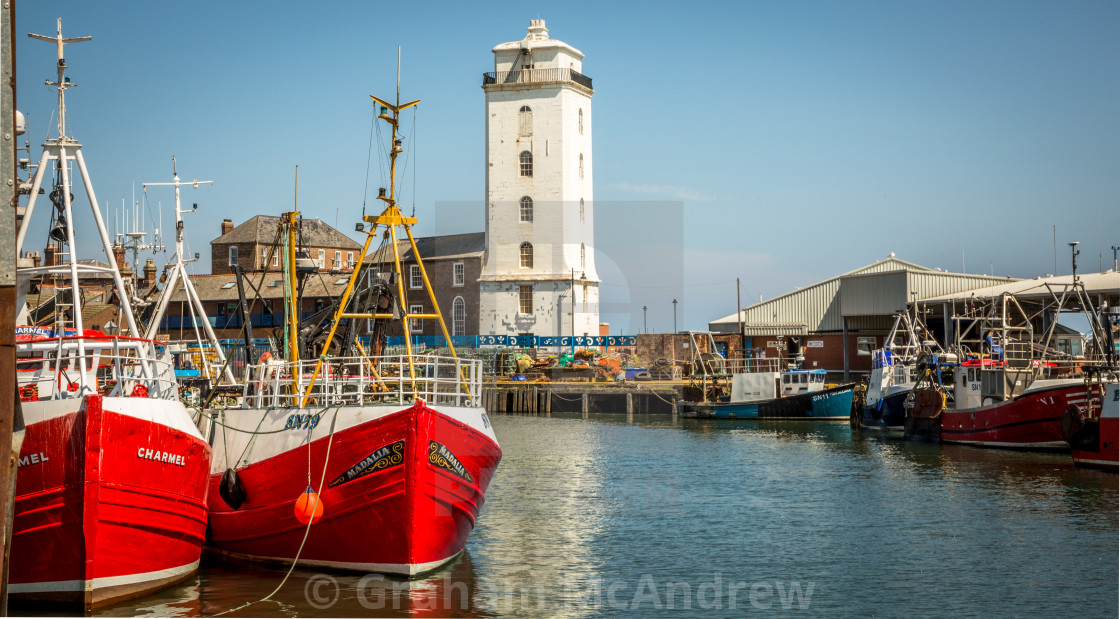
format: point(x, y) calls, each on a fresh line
point(653, 515)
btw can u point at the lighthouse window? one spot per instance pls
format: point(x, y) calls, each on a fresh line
point(526, 210)
point(525, 121)
point(581, 121)
point(525, 299)
point(526, 163)
point(581, 165)
point(582, 256)
point(526, 255)
point(581, 210)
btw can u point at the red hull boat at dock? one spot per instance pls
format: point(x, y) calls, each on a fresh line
point(393, 453)
point(1032, 420)
point(110, 498)
point(412, 479)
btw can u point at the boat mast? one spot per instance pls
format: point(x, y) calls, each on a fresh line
point(391, 217)
point(62, 150)
point(179, 274)
point(290, 220)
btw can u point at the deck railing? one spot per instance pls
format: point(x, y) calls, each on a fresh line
point(747, 366)
point(535, 76)
point(51, 369)
point(366, 380)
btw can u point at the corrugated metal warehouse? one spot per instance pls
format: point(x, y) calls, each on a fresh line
point(836, 323)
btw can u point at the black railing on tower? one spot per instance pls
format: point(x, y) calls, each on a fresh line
point(532, 76)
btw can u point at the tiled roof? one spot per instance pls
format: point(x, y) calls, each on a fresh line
point(270, 285)
point(261, 229)
point(435, 247)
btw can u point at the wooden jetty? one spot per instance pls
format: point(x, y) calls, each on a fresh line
point(586, 398)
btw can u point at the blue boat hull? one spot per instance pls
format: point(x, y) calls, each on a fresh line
point(830, 404)
point(888, 413)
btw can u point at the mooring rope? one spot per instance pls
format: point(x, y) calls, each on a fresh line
point(310, 521)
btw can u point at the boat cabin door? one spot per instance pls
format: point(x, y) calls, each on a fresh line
point(966, 387)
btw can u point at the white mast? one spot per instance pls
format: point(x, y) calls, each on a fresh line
point(62, 151)
point(179, 275)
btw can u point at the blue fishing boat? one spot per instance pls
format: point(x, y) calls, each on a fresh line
point(786, 394)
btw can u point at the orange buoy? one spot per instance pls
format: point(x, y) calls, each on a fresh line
point(309, 507)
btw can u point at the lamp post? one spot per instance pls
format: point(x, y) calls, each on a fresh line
point(1114, 250)
point(644, 328)
point(674, 315)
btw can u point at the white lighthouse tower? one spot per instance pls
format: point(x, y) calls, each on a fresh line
point(538, 276)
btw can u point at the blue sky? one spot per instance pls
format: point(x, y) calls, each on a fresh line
point(778, 142)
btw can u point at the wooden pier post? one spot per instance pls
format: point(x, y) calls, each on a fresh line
point(584, 404)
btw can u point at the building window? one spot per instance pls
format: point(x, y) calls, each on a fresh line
point(232, 255)
point(417, 324)
point(322, 258)
point(458, 274)
point(864, 346)
point(525, 297)
point(581, 121)
point(525, 121)
point(349, 259)
point(526, 255)
point(526, 163)
point(415, 280)
point(264, 257)
point(582, 256)
point(581, 165)
point(585, 300)
point(581, 210)
point(337, 260)
point(276, 258)
point(458, 316)
point(526, 210)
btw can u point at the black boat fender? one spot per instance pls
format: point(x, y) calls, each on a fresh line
point(231, 489)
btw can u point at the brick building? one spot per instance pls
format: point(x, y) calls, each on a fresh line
point(253, 245)
point(453, 263)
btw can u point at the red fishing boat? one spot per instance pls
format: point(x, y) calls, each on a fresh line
point(1032, 420)
point(1021, 369)
point(110, 492)
point(354, 459)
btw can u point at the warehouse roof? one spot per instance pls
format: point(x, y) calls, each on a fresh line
point(883, 288)
point(1107, 283)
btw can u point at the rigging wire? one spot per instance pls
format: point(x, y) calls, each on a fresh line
point(369, 155)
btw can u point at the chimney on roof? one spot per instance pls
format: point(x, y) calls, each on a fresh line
point(149, 273)
point(36, 259)
point(227, 226)
point(50, 255)
point(118, 256)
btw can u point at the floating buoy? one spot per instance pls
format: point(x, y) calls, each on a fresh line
point(308, 507)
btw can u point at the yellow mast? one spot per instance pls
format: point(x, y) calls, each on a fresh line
point(391, 217)
point(290, 218)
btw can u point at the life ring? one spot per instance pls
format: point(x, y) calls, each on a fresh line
point(139, 391)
